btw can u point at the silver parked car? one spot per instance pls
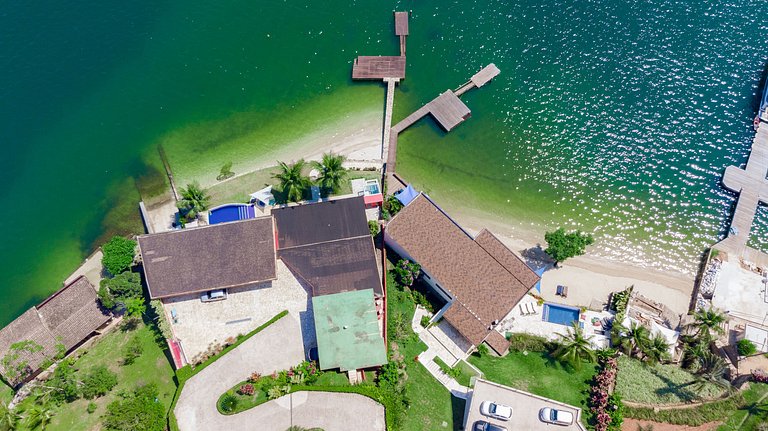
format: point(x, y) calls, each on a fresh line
point(557, 417)
point(485, 426)
point(497, 411)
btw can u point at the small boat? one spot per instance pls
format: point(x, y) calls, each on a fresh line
point(763, 105)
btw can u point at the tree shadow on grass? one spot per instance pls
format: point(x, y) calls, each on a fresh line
point(680, 390)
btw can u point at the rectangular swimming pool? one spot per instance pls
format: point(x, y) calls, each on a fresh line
point(560, 314)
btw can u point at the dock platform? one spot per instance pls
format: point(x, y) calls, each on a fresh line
point(378, 67)
point(751, 185)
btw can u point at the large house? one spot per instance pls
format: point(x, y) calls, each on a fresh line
point(479, 277)
point(59, 324)
point(226, 279)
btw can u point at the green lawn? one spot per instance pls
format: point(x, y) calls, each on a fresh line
point(151, 367)
point(753, 412)
point(539, 374)
point(658, 384)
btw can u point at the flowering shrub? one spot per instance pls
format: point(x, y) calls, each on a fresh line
point(255, 376)
point(760, 376)
point(606, 408)
point(246, 389)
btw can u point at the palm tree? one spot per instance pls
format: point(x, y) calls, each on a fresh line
point(194, 200)
point(9, 418)
point(657, 349)
point(39, 415)
point(575, 347)
point(292, 180)
point(708, 322)
point(633, 340)
point(332, 173)
point(712, 370)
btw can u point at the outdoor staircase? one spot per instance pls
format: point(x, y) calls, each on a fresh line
point(428, 360)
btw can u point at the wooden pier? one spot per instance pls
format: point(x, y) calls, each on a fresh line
point(375, 67)
point(388, 116)
point(401, 29)
point(752, 186)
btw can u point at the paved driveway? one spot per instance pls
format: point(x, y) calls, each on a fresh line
point(278, 347)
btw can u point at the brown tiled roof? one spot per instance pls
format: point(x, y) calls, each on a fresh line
point(73, 313)
point(329, 245)
point(68, 316)
point(484, 289)
point(28, 326)
point(507, 258)
point(208, 258)
point(498, 342)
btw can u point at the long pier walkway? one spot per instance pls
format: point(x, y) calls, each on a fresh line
point(388, 115)
point(752, 186)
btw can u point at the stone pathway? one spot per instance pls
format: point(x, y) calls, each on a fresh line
point(435, 348)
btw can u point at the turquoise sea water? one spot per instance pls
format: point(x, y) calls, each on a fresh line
point(616, 117)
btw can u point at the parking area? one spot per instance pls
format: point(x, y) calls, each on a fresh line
point(201, 325)
point(525, 408)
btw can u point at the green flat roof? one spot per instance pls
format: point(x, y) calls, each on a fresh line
point(348, 336)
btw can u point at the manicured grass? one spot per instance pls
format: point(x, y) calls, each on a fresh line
point(466, 375)
point(658, 384)
point(752, 412)
point(151, 367)
point(238, 189)
point(539, 374)
point(346, 186)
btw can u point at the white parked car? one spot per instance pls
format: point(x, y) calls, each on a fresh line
point(557, 417)
point(497, 411)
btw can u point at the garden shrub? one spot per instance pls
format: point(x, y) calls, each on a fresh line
point(118, 254)
point(373, 227)
point(482, 349)
point(91, 407)
point(64, 384)
point(132, 350)
point(160, 319)
point(601, 402)
point(421, 299)
point(137, 410)
point(278, 391)
point(255, 376)
point(425, 321)
point(98, 382)
point(228, 403)
point(746, 347)
point(528, 343)
point(619, 302)
point(246, 389)
point(406, 272)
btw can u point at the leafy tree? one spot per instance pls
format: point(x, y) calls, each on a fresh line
point(135, 308)
point(407, 272)
point(575, 347)
point(225, 172)
point(139, 411)
point(194, 200)
point(562, 245)
point(373, 227)
point(392, 205)
point(707, 323)
point(98, 382)
point(64, 384)
point(746, 347)
point(332, 172)
point(120, 289)
point(132, 350)
point(292, 180)
point(16, 360)
point(118, 254)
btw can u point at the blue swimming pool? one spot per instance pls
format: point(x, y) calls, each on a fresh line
point(560, 314)
point(231, 212)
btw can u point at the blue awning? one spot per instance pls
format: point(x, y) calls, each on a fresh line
point(406, 195)
point(539, 272)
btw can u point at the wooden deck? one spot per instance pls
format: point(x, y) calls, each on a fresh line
point(401, 23)
point(484, 76)
point(752, 186)
point(378, 67)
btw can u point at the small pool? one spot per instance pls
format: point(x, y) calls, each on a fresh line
point(231, 212)
point(560, 314)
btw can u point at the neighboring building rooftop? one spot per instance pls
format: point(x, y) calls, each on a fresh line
point(213, 257)
point(483, 276)
point(69, 317)
point(328, 244)
point(348, 335)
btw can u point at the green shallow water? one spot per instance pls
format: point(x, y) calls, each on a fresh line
point(610, 116)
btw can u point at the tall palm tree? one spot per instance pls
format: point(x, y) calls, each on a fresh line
point(194, 200)
point(575, 347)
point(292, 180)
point(39, 416)
point(633, 340)
point(332, 173)
point(708, 323)
point(10, 419)
point(657, 349)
